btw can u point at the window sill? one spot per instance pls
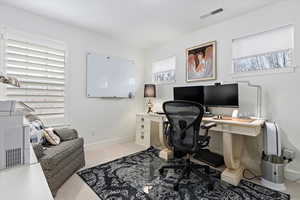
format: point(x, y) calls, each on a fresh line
point(263, 72)
point(165, 83)
point(59, 125)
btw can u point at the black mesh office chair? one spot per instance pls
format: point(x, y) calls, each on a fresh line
point(182, 130)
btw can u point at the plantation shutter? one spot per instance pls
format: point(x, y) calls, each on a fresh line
point(40, 68)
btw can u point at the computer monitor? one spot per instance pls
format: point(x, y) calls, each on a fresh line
point(191, 93)
point(221, 95)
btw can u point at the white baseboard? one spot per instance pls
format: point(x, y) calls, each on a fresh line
point(107, 142)
point(292, 175)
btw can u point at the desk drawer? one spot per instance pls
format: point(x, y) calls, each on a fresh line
point(236, 129)
point(241, 130)
point(142, 131)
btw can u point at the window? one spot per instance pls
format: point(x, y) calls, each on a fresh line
point(268, 51)
point(39, 65)
point(163, 71)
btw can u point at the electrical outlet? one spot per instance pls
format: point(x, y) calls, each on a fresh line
point(93, 133)
point(288, 154)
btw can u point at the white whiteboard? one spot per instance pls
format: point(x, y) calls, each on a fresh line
point(109, 76)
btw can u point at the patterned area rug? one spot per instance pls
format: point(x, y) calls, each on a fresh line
point(136, 177)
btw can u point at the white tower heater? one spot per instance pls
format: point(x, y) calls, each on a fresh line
point(14, 140)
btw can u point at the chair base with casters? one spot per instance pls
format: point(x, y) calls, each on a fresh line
point(187, 168)
point(182, 131)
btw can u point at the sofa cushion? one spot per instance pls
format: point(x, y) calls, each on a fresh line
point(55, 154)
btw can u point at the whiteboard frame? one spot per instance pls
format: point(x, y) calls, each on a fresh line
point(86, 76)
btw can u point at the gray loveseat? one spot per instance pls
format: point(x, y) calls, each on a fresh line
point(61, 161)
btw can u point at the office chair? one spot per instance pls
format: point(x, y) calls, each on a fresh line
point(182, 130)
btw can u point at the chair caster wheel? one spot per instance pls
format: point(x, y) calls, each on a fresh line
point(207, 171)
point(210, 187)
point(176, 187)
point(161, 171)
point(187, 176)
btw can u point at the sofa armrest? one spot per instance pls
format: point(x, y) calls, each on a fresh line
point(66, 134)
point(38, 150)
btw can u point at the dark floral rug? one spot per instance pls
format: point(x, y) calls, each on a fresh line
point(136, 177)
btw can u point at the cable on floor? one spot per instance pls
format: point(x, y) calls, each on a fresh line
point(253, 175)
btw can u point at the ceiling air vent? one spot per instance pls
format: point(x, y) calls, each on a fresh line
point(212, 13)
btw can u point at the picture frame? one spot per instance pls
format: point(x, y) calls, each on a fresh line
point(201, 62)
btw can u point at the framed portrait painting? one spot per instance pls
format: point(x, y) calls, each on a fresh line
point(201, 62)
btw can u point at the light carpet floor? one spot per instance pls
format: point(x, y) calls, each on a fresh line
point(76, 189)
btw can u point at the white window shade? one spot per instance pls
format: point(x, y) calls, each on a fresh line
point(163, 71)
point(268, 50)
point(40, 68)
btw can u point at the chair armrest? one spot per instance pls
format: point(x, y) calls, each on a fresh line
point(66, 134)
point(208, 125)
point(204, 141)
point(166, 125)
point(166, 131)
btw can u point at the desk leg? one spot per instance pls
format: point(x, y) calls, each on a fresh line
point(233, 149)
point(166, 152)
point(162, 137)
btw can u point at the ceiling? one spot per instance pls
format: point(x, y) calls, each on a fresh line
point(142, 23)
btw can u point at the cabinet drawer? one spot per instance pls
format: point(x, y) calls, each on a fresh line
point(142, 131)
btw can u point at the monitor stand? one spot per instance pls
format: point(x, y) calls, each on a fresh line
point(207, 113)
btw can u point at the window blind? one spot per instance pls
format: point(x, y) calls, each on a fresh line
point(264, 51)
point(163, 71)
point(41, 71)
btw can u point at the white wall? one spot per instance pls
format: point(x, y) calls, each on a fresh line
point(281, 98)
point(101, 120)
point(97, 120)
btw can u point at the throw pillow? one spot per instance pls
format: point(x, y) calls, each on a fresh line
point(37, 136)
point(38, 124)
point(36, 132)
point(51, 137)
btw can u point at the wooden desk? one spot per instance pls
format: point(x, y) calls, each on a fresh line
point(234, 131)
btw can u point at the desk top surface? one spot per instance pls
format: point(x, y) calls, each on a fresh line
point(225, 120)
point(236, 121)
point(26, 182)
